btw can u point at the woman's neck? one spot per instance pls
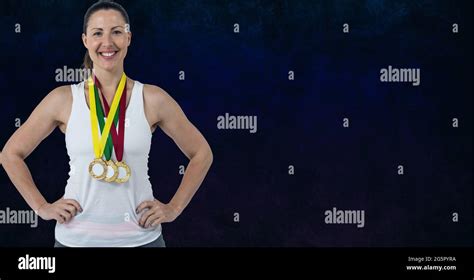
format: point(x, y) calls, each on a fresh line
point(109, 80)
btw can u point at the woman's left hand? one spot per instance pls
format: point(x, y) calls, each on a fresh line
point(156, 213)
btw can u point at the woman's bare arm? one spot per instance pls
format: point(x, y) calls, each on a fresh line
point(42, 121)
point(192, 143)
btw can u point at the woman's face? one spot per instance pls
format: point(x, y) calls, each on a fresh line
point(107, 39)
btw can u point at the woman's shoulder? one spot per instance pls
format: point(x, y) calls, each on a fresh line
point(155, 95)
point(58, 100)
point(158, 103)
point(154, 90)
point(60, 94)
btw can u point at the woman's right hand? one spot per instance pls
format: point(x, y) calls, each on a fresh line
point(62, 210)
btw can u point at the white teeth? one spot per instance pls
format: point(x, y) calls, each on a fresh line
point(108, 54)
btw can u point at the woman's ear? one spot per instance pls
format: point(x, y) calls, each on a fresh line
point(129, 38)
point(84, 40)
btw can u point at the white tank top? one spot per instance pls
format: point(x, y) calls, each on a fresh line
point(108, 218)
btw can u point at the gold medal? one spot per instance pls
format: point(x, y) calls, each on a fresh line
point(128, 173)
point(101, 162)
point(111, 164)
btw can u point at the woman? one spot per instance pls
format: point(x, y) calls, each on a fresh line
point(107, 202)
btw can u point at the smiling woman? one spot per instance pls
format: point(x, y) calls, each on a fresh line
point(113, 24)
point(108, 200)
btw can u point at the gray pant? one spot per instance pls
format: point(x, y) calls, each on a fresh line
point(158, 243)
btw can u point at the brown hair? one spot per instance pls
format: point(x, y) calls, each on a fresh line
point(100, 5)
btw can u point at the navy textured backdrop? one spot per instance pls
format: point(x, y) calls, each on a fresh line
point(300, 121)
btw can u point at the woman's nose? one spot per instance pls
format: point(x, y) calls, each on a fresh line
point(107, 40)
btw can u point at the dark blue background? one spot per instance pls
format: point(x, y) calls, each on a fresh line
point(299, 122)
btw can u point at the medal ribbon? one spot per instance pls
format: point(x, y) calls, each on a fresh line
point(100, 115)
point(118, 140)
point(99, 142)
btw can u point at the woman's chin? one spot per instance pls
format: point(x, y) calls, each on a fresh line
point(108, 66)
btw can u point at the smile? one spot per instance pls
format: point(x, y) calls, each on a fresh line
point(108, 55)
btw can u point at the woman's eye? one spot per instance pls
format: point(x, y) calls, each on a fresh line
point(97, 33)
point(117, 32)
